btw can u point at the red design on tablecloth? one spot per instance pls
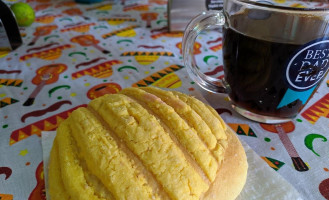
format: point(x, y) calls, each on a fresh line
point(49, 124)
point(216, 47)
point(39, 1)
point(79, 28)
point(38, 113)
point(317, 110)
point(102, 89)
point(42, 31)
point(218, 69)
point(39, 192)
point(6, 171)
point(42, 6)
point(159, 2)
point(44, 76)
point(136, 7)
point(72, 11)
point(219, 39)
point(168, 34)
point(47, 19)
point(89, 62)
point(324, 188)
point(49, 54)
point(288, 127)
point(102, 70)
point(42, 47)
point(150, 47)
point(149, 17)
point(88, 40)
point(196, 48)
point(10, 72)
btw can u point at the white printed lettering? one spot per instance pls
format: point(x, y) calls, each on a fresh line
point(320, 75)
point(317, 54)
point(309, 54)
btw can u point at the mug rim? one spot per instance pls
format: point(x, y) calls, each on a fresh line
point(285, 8)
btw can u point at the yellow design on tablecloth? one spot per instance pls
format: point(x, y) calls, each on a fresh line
point(48, 124)
point(317, 110)
point(117, 21)
point(297, 5)
point(216, 47)
point(7, 101)
point(3, 53)
point(124, 32)
point(50, 54)
point(11, 82)
point(165, 78)
point(6, 197)
point(102, 70)
point(101, 7)
point(146, 58)
point(23, 153)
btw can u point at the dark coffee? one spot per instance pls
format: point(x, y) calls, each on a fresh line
point(256, 73)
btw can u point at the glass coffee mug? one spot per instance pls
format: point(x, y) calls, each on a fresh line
point(274, 56)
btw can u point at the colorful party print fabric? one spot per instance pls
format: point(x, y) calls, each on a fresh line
point(74, 53)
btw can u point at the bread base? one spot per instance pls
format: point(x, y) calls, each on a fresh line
point(232, 174)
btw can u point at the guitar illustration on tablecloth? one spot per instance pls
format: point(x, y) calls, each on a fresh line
point(88, 40)
point(282, 130)
point(45, 75)
point(42, 31)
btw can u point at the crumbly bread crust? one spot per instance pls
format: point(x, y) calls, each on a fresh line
point(146, 144)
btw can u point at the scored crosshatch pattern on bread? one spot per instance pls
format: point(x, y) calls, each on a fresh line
point(145, 143)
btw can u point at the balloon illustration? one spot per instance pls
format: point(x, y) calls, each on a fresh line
point(323, 188)
point(309, 141)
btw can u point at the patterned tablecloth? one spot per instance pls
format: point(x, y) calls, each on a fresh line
point(93, 49)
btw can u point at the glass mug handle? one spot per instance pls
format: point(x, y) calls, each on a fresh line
point(208, 19)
